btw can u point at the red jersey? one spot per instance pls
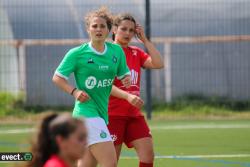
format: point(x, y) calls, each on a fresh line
point(135, 57)
point(55, 161)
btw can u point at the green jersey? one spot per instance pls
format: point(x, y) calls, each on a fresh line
point(94, 73)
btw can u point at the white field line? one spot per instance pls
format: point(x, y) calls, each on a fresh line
point(164, 127)
point(183, 157)
point(15, 131)
point(192, 156)
point(211, 126)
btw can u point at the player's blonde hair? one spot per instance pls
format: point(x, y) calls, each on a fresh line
point(102, 12)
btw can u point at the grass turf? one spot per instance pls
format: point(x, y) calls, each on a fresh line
point(176, 143)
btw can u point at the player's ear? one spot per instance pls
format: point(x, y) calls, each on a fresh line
point(59, 140)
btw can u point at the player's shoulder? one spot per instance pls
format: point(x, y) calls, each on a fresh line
point(54, 161)
point(78, 49)
point(135, 48)
point(113, 46)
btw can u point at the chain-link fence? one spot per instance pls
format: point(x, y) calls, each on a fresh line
point(205, 45)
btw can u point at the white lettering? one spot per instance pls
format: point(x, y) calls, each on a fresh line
point(105, 82)
point(134, 76)
point(99, 84)
point(103, 67)
point(10, 157)
point(92, 82)
point(110, 81)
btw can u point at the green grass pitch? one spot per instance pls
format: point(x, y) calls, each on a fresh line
point(176, 143)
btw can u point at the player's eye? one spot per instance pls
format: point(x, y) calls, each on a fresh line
point(94, 26)
point(131, 30)
point(103, 26)
point(124, 29)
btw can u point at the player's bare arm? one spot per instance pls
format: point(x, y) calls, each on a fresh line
point(126, 81)
point(65, 86)
point(132, 99)
point(155, 60)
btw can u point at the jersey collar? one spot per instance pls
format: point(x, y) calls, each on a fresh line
point(97, 52)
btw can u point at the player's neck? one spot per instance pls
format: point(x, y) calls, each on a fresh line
point(66, 159)
point(121, 44)
point(98, 46)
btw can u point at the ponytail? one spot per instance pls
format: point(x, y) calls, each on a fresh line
point(52, 126)
point(44, 146)
point(113, 36)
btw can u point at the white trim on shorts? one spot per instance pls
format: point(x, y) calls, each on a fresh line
point(97, 131)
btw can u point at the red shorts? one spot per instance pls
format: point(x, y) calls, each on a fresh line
point(127, 129)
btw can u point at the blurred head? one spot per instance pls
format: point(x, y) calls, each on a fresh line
point(124, 28)
point(67, 132)
point(98, 24)
point(59, 134)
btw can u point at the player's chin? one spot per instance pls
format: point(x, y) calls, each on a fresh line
point(125, 41)
point(100, 39)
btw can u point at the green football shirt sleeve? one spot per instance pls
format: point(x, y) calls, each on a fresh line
point(67, 65)
point(123, 69)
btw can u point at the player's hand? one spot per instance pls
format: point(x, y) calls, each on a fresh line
point(140, 33)
point(135, 100)
point(126, 81)
point(81, 96)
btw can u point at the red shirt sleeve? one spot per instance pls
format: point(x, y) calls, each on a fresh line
point(143, 56)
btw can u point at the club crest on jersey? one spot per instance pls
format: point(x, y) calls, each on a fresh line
point(114, 137)
point(90, 61)
point(134, 52)
point(103, 134)
point(114, 59)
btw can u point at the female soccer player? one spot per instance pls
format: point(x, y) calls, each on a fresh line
point(126, 122)
point(56, 136)
point(95, 65)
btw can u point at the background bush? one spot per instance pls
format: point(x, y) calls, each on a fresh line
point(11, 104)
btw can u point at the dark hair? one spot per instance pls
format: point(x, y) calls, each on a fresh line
point(119, 18)
point(104, 13)
point(45, 144)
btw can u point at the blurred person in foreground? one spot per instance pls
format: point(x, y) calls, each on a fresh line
point(60, 142)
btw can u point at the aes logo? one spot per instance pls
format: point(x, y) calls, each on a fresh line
point(90, 82)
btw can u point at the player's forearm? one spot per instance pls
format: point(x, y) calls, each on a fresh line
point(155, 55)
point(62, 84)
point(119, 93)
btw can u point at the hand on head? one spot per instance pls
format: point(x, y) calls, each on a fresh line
point(140, 33)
